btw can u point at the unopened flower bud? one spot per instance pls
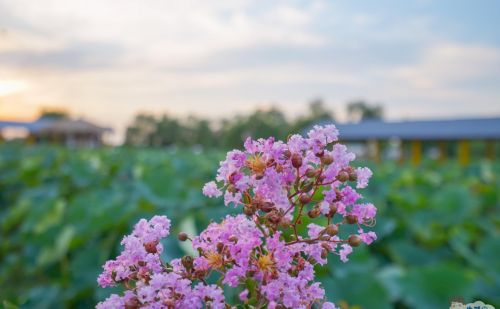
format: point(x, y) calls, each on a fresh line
point(354, 240)
point(310, 172)
point(220, 246)
point(304, 198)
point(326, 160)
point(313, 213)
point(284, 223)
point(273, 217)
point(132, 303)
point(232, 188)
point(233, 239)
point(351, 219)
point(187, 261)
point(307, 186)
point(287, 153)
point(343, 176)
point(332, 229)
point(324, 237)
point(333, 210)
point(151, 247)
point(296, 160)
point(248, 210)
point(353, 176)
point(320, 153)
point(324, 254)
point(267, 206)
point(338, 195)
point(182, 236)
point(326, 246)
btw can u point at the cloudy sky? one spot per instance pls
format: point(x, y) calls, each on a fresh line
point(106, 60)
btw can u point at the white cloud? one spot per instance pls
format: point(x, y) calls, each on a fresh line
point(447, 64)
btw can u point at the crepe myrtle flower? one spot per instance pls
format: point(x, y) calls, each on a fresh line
point(260, 252)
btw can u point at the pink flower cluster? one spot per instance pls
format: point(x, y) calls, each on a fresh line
point(261, 252)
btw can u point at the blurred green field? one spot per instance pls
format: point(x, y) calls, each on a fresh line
point(63, 213)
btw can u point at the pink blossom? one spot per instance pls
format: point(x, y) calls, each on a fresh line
point(344, 252)
point(210, 189)
point(364, 174)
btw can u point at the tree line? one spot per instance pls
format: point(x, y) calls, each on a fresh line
point(165, 130)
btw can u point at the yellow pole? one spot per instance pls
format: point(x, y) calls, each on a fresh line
point(490, 149)
point(402, 145)
point(464, 152)
point(416, 152)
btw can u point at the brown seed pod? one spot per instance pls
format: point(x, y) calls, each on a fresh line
point(151, 247)
point(187, 261)
point(353, 176)
point(132, 303)
point(304, 198)
point(248, 210)
point(327, 160)
point(343, 176)
point(332, 229)
point(182, 236)
point(351, 219)
point(354, 240)
point(324, 254)
point(333, 210)
point(313, 213)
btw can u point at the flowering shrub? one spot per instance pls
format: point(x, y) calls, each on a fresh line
point(280, 187)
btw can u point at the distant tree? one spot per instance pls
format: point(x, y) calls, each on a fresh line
point(47, 113)
point(317, 112)
point(361, 110)
point(259, 124)
point(141, 131)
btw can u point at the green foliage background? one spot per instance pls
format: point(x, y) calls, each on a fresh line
point(63, 213)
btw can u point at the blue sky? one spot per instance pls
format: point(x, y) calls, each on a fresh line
point(107, 60)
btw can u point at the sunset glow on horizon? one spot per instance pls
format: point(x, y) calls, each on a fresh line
point(421, 59)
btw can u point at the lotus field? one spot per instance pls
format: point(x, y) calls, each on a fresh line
point(64, 212)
